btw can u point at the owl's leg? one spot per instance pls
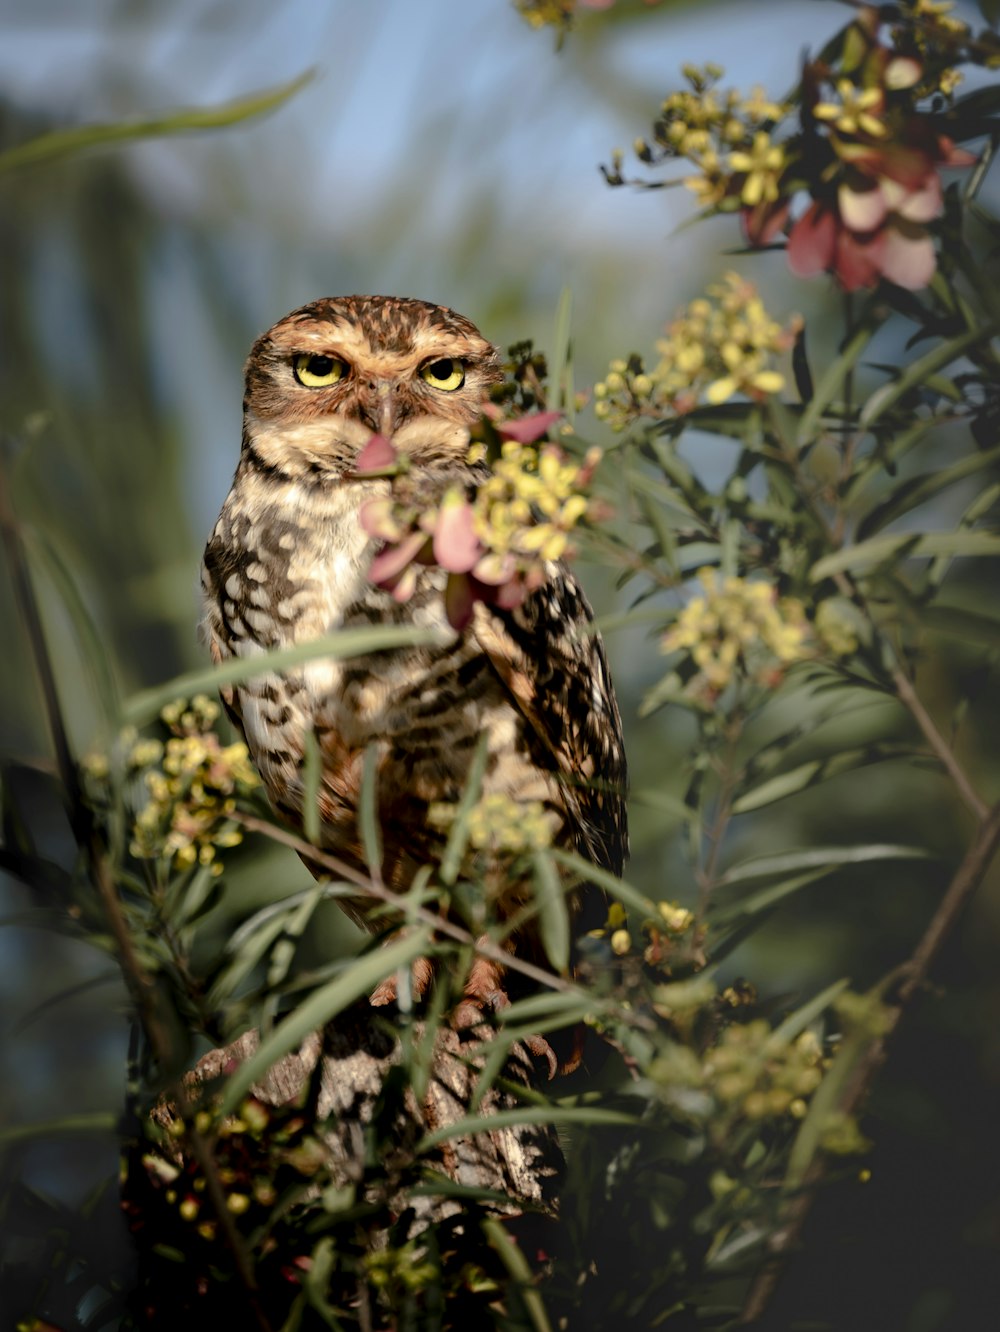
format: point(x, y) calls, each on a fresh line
point(421, 975)
point(486, 996)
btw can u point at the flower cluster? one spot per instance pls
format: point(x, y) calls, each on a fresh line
point(494, 536)
point(725, 136)
point(764, 1077)
point(260, 1153)
point(498, 823)
point(868, 151)
point(192, 783)
point(559, 13)
point(738, 627)
point(671, 930)
point(719, 346)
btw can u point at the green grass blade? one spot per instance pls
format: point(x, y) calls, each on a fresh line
point(359, 978)
point(144, 706)
point(312, 772)
point(553, 916)
point(61, 143)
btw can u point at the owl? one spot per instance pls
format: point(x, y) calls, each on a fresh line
point(288, 561)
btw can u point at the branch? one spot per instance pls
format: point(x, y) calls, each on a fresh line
point(482, 946)
point(964, 883)
point(909, 697)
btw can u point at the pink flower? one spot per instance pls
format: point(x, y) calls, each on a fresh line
point(875, 226)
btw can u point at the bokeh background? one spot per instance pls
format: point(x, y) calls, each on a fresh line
point(444, 150)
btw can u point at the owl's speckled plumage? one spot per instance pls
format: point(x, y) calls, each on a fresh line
point(288, 559)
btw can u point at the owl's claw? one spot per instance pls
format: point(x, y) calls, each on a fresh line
point(484, 999)
point(476, 1009)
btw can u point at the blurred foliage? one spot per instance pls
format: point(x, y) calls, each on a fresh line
point(805, 575)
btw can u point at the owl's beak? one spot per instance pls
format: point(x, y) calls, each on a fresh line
point(383, 407)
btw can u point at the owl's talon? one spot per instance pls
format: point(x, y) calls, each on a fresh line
point(540, 1048)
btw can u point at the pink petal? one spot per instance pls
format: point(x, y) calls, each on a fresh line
point(510, 595)
point(404, 586)
point(394, 559)
point(857, 264)
point(920, 205)
point(908, 257)
point(812, 242)
point(459, 600)
point(952, 156)
point(529, 428)
point(861, 209)
point(456, 546)
point(378, 519)
point(495, 569)
point(377, 454)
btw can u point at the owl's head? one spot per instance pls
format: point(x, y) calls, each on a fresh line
point(329, 375)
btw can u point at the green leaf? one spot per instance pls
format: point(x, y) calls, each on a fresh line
point(458, 834)
point(553, 916)
point(618, 888)
point(510, 1255)
point(753, 904)
point(312, 771)
point(65, 142)
point(832, 381)
point(816, 771)
point(663, 801)
point(294, 926)
point(918, 371)
point(889, 452)
point(918, 489)
point(536, 1114)
point(968, 625)
point(819, 857)
point(145, 706)
point(564, 1005)
point(93, 646)
point(371, 835)
point(797, 1022)
point(913, 545)
point(360, 978)
point(100, 1121)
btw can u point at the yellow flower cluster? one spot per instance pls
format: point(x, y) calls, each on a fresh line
point(760, 1077)
point(541, 12)
point(529, 504)
point(725, 135)
point(738, 627)
point(498, 823)
point(662, 931)
point(719, 346)
point(858, 111)
point(935, 31)
point(192, 784)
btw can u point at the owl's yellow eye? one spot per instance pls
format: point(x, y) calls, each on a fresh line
point(318, 371)
point(447, 374)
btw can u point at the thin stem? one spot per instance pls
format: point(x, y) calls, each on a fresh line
point(483, 947)
point(911, 700)
point(715, 834)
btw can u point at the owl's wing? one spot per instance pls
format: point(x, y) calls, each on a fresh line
point(552, 662)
